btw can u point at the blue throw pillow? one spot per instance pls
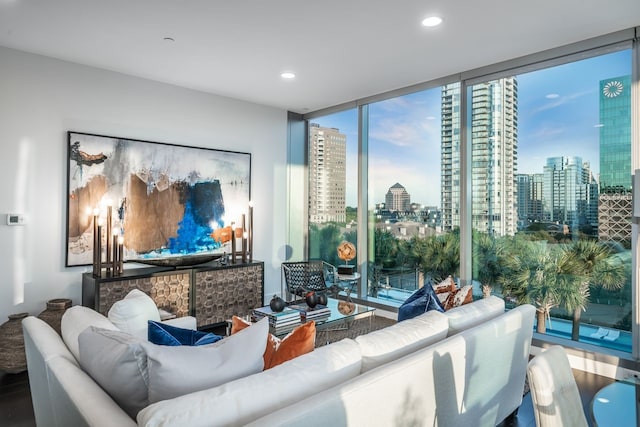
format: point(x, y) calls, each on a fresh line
point(421, 301)
point(161, 334)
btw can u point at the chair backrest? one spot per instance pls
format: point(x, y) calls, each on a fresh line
point(555, 395)
point(301, 277)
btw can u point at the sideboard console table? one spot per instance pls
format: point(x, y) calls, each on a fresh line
point(211, 292)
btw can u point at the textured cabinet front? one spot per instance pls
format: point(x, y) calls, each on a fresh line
point(169, 291)
point(222, 293)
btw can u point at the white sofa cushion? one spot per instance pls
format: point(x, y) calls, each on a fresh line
point(474, 378)
point(384, 345)
point(118, 363)
point(131, 313)
point(174, 371)
point(246, 399)
point(469, 315)
point(75, 320)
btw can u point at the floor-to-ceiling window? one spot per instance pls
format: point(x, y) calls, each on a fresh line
point(413, 186)
point(518, 183)
point(333, 184)
point(551, 195)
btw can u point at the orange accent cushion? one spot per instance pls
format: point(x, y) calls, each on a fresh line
point(300, 341)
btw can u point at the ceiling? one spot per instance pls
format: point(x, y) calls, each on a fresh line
point(340, 50)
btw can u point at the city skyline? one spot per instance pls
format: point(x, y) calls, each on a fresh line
point(558, 115)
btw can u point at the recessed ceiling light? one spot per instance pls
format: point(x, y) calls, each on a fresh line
point(288, 75)
point(432, 21)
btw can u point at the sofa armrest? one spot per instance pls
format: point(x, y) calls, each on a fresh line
point(186, 322)
point(62, 393)
point(78, 401)
point(41, 343)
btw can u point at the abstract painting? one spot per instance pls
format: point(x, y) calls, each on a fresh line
point(163, 200)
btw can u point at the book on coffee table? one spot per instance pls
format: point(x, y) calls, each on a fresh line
point(279, 322)
point(319, 312)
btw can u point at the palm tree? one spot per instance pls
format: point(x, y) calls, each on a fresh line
point(441, 256)
point(385, 248)
point(538, 276)
point(592, 261)
point(488, 260)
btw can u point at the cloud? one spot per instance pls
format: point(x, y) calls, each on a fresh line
point(560, 100)
point(405, 122)
point(398, 134)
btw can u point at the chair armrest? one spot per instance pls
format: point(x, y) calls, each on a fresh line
point(186, 322)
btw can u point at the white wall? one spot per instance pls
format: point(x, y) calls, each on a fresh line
point(41, 99)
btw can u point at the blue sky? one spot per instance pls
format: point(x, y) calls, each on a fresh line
point(558, 112)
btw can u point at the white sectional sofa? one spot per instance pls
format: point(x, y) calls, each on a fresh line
point(464, 367)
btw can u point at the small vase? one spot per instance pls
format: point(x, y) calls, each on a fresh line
point(277, 304)
point(311, 299)
point(12, 357)
point(54, 311)
point(322, 298)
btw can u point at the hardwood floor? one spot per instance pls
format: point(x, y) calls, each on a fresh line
point(15, 401)
point(16, 409)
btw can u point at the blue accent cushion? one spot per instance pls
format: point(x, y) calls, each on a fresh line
point(421, 301)
point(161, 334)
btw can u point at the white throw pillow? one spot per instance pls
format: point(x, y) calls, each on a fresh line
point(132, 313)
point(175, 371)
point(75, 320)
point(118, 363)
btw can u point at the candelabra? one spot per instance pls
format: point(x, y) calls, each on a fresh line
point(114, 247)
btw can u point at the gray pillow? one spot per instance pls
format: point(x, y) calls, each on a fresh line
point(175, 371)
point(136, 373)
point(118, 363)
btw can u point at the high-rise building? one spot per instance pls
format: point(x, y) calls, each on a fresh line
point(529, 197)
point(450, 157)
point(614, 208)
point(397, 199)
point(569, 192)
point(327, 175)
point(494, 136)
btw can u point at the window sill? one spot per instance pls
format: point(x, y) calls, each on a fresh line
point(590, 358)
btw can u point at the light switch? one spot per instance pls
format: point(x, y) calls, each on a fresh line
point(16, 219)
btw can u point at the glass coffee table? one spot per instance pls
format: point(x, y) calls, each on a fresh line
point(617, 404)
point(344, 311)
point(343, 315)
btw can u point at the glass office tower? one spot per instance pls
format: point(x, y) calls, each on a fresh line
point(614, 208)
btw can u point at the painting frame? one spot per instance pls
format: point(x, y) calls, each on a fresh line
point(164, 200)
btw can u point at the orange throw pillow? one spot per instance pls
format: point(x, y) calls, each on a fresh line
point(300, 341)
